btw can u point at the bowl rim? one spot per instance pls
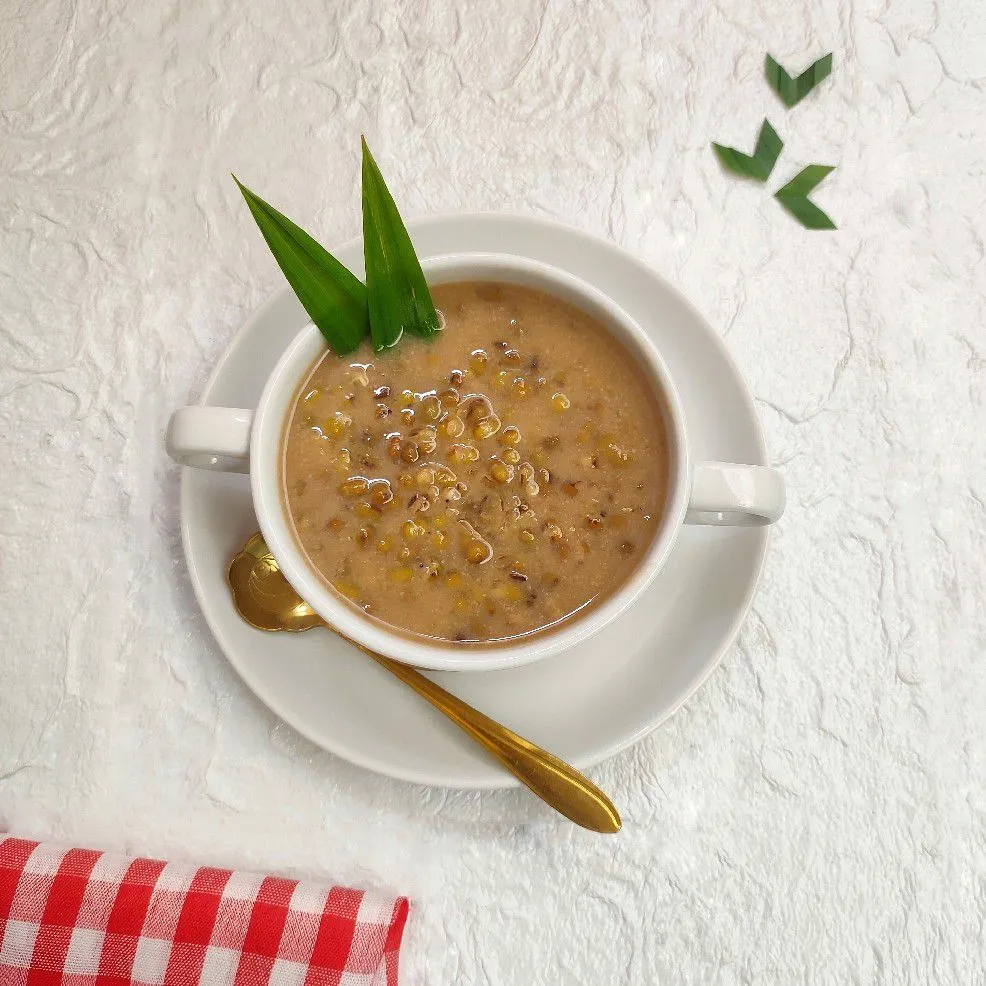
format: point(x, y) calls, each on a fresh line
point(265, 455)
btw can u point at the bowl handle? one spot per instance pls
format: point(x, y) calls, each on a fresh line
point(211, 438)
point(736, 495)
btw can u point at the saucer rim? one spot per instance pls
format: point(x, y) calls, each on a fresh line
point(493, 778)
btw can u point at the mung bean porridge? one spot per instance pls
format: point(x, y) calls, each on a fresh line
point(489, 483)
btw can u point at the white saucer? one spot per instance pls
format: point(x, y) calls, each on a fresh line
point(584, 705)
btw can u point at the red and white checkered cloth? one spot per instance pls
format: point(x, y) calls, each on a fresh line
point(77, 917)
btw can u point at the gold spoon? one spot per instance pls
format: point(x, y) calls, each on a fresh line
point(265, 599)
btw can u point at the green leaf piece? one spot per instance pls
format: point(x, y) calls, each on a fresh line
point(765, 155)
point(792, 91)
point(331, 294)
point(794, 197)
point(397, 292)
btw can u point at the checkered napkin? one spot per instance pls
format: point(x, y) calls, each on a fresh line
point(76, 917)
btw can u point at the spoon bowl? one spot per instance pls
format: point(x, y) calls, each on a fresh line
point(263, 596)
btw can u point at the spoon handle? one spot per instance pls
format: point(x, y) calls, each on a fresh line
point(552, 780)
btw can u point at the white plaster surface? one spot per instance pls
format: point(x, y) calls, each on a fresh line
point(817, 814)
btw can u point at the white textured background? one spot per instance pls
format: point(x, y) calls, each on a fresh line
point(817, 814)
